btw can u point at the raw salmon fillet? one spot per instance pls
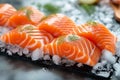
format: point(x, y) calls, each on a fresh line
point(99, 35)
point(25, 15)
point(6, 11)
point(74, 48)
point(27, 36)
point(57, 25)
point(39, 35)
point(20, 38)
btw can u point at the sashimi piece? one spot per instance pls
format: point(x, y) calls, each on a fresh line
point(26, 15)
point(74, 48)
point(6, 11)
point(57, 25)
point(39, 35)
point(99, 35)
point(21, 39)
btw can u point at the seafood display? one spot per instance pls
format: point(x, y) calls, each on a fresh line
point(55, 37)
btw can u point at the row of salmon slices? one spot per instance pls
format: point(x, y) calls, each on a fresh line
point(56, 34)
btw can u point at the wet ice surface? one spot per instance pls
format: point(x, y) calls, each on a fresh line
point(19, 70)
point(15, 70)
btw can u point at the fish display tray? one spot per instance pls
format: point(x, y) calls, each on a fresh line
point(83, 70)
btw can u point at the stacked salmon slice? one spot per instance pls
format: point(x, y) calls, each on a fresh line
point(56, 35)
point(6, 11)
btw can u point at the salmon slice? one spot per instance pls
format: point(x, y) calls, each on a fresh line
point(39, 35)
point(20, 38)
point(6, 11)
point(74, 48)
point(27, 36)
point(26, 15)
point(58, 25)
point(99, 35)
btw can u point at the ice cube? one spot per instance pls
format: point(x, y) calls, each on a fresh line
point(107, 55)
point(37, 54)
point(56, 59)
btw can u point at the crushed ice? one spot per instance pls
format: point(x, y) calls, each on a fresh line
point(25, 51)
point(108, 63)
point(107, 55)
point(37, 54)
point(103, 14)
point(56, 59)
point(67, 62)
point(46, 57)
point(116, 66)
